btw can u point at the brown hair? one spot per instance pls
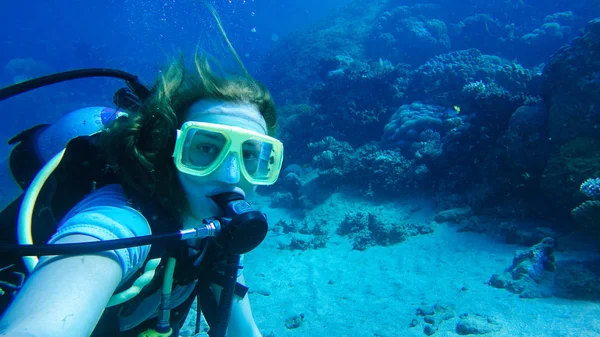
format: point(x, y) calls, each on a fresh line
point(140, 146)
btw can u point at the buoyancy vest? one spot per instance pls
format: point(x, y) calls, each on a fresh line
point(83, 169)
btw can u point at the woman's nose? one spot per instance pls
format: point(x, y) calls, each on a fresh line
point(229, 171)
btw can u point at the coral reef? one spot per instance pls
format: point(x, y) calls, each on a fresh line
point(367, 230)
point(448, 79)
point(304, 236)
point(408, 25)
point(571, 87)
point(588, 212)
point(566, 169)
point(380, 171)
point(474, 117)
point(494, 36)
point(353, 97)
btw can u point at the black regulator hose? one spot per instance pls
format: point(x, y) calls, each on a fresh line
point(138, 88)
point(86, 247)
point(226, 299)
point(246, 229)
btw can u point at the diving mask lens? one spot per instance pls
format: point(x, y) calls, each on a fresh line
point(202, 150)
point(259, 159)
point(202, 147)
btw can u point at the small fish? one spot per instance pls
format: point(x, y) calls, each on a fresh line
point(453, 112)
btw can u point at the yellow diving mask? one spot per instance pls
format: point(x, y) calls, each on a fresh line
point(202, 147)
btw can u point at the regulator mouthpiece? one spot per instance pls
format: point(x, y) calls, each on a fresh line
point(244, 228)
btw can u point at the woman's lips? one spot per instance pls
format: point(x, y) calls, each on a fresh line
point(222, 190)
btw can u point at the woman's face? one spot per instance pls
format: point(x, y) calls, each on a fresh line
point(228, 176)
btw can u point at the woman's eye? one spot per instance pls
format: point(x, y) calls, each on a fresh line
point(207, 148)
point(249, 155)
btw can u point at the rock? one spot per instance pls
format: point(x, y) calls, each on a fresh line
point(475, 324)
point(444, 311)
point(531, 274)
point(430, 330)
point(425, 311)
point(262, 291)
point(453, 215)
point(294, 322)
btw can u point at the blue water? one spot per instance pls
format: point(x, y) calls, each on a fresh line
point(442, 159)
point(136, 36)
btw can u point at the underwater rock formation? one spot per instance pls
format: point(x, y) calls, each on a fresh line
point(367, 230)
point(304, 236)
point(534, 273)
point(531, 273)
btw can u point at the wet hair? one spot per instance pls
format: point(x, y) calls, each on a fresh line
point(140, 146)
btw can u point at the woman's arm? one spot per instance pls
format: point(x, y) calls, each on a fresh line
point(242, 322)
point(64, 296)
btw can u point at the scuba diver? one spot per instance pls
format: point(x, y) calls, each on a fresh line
point(137, 211)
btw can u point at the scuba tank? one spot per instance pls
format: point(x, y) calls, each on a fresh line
point(36, 146)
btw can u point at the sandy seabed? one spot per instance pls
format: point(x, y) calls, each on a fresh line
point(337, 291)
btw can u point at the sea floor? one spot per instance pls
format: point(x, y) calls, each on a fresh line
point(338, 291)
